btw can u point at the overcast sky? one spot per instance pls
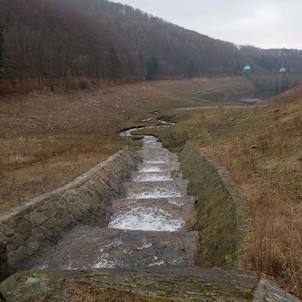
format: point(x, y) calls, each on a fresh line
point(262, 23)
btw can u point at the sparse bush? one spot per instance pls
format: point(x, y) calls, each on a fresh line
point(175, 139)
point(75, 84)
point(192, 221)
point(84, 84)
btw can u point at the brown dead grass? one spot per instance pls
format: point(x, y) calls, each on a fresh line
point(270, 176)
point(261, 147)
point(48, 138)
point(36, 165)
point(267, 164)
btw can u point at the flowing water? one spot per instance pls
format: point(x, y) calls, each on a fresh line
point(148, 227)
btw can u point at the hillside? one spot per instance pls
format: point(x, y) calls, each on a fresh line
point(49, 42)
point(47, 139)
point(261, 148)
point(180, 52)
point(75, 43)
point(71, 57)
point(45, 146)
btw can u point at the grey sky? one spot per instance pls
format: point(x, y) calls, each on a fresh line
point(262, 23)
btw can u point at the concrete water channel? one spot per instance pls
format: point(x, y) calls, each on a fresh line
point(148, 227)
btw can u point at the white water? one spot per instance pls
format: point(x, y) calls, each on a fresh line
point(154, 204)
point(104, 262)
point(146, 245)
point(158, 161)
point(154, 169)
point(176, 203)
point(149, 139)
point(155, 193)
point(146, 219)
point(152, 145)
point(150, 169)
point(142, 177)
point(157, 263)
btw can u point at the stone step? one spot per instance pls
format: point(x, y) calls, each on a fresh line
point(168, 214)
point(151, 176)
point(86, 248)
point(158, 155)
point(156, 189)
point(190, 284)
point(152, 145)
point(178, 202)
point(149, 139)
point(174, 283)
point(164, 167)
point(151, 142)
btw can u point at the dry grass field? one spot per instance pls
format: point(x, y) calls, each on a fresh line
point(265, 159)
point(261, 147)
point(47, 139)
point(35, 165)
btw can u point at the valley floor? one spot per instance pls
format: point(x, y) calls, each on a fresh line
point(47, 139)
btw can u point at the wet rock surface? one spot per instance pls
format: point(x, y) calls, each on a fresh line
point(113, 248)
point(153, 213)
point(176, 283)
point(147, 228)
point(151, 284)
point(4, 270)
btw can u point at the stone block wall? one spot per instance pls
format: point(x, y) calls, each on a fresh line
point(3, 262)
point(221, 212)
point(28, 230)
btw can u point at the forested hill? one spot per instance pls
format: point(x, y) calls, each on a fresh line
point(59, 40)
point(178, 51)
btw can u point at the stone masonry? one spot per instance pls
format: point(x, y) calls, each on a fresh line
point(3, 262)
point(28, 230)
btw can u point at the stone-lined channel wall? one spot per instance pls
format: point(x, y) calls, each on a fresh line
point(3, 262)
point(28, 230)
point(221, 212)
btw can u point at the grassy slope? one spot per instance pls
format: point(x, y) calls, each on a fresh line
point(261, 147)
point(47, 139)
point(59, 136)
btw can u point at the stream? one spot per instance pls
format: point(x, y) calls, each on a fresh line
point(148, 227)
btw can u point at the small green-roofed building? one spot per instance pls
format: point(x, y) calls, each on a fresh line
point(247, 68)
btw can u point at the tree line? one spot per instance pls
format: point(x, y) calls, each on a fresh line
point(272, 60)
point(53, 42)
